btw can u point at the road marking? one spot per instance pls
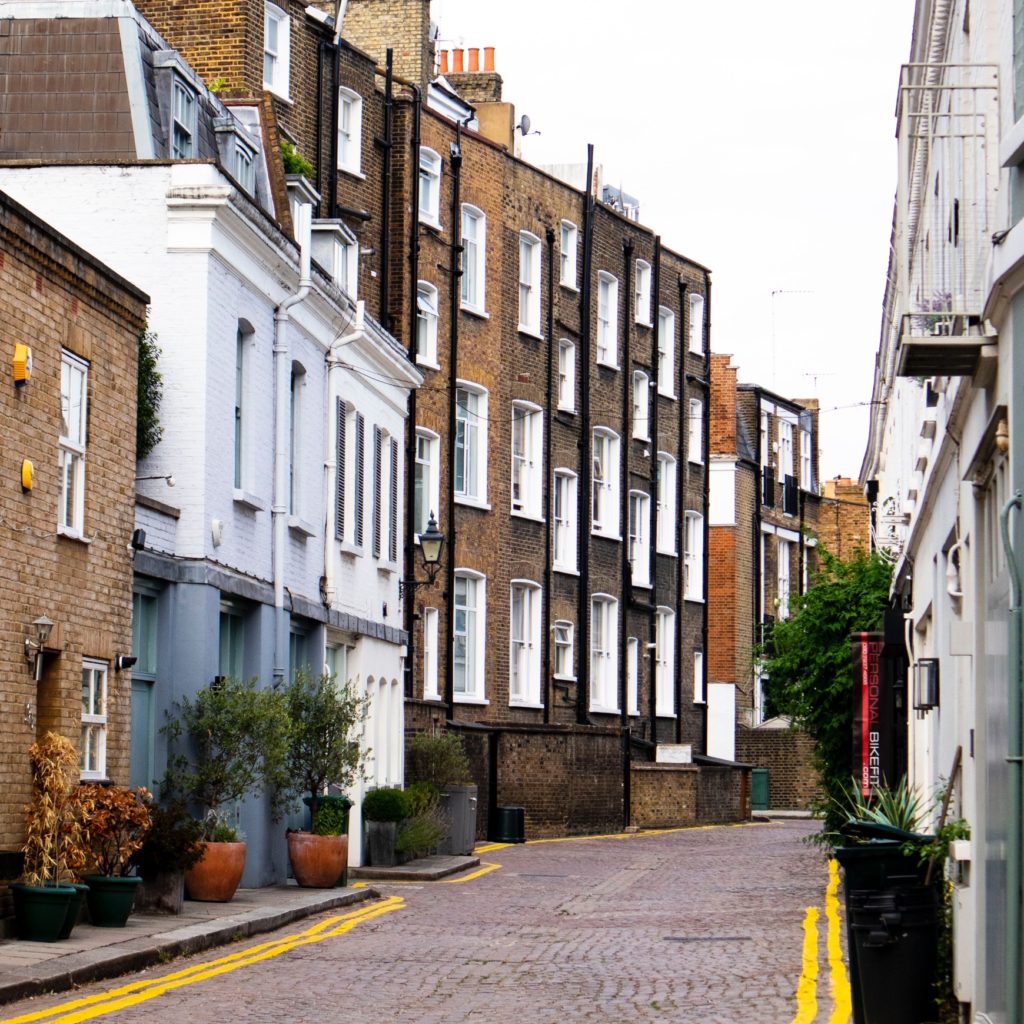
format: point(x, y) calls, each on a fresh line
point(839, 980)
point(807, 986)
point(487, 868)
point(90, 1007)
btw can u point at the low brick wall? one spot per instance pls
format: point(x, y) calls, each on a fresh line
point(674, 795)
point(788, 756)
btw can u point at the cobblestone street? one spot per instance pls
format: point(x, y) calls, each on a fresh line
point(702, 925)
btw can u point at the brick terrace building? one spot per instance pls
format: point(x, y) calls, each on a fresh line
point(65, 528)
point(559, 435)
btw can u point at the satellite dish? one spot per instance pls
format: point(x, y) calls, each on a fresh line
point(524, 124)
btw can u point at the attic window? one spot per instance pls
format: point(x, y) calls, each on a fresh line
point(244, 166)
point(183, 124)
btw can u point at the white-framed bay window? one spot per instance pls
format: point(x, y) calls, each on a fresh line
point(469, 636)
point(665, 532)
point(664, 662)
point(567, 242)
point(693, 556)
point(639, 538)
point(470, 469)
point(276, 49)
point(430, 187)
point(642, 293)
point(524, 674)
point(605, 480)
point(426, 324)
point(564, 518)
point(74, 413)
point(426, 478)
point(527, 459)
point(566, 375)
point(607, 347)
point(529, 283)
point(604, 657)
point(474, 259)
point(93, 745)
point(350, 131)
point(564, 638)
point(666, 352)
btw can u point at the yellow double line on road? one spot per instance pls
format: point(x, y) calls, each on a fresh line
point(839, 982)
point(137, 992)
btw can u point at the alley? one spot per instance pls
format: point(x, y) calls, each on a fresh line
point(721, 924)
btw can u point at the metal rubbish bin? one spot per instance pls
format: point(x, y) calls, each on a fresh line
point(459, 804)
point(759, 789)
point(895, 933)
point(508, 825)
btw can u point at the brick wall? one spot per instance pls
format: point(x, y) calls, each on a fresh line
point(663, 795)
point(844, 519)
point(788, 756)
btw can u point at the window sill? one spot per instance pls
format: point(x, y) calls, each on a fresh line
point(596, 709)
point(696, 352)
point(353, 172)
point(566, 572)
point(695, 462)
point(530, 332)
point(475, 311)
point(430, 222)
point(693, 600)
point(607, 365)
point(668, 554)
point(459, 698)
point(670, 395)
point(534, 517)
point(461, 499)
point(641, 438)
point(568, 409)
point(643, 323)
point(249, 501)
point(664, 714)
point(93, 777)
point(301, 528)
point(348, 548)
point(283, 97)
point(642, 586)
point(568, 287)
point(531, 705)
point(68, 534)
point(387, 568)
point(564, 679)
point(617, 537)
point(425, 362)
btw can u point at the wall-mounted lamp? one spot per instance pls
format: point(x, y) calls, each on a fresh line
point(34, 645)
point(431, 546)
point(169, 477)
point(926, 684)
point(123, 661)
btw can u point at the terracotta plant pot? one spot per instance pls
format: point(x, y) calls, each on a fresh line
point(215, 876)
point(317, 861)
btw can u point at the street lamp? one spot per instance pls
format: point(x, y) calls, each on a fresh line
point(431, 545)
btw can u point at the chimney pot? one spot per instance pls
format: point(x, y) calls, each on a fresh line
point(488, 58)
point(474, 58)
point(443, 70)
point(457, 61)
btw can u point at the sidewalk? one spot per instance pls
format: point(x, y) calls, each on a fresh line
point(91, 954)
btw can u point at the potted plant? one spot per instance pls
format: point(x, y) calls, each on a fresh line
point(236, 739)
point(172, 845)
point(383, 809)
point(427, 825)
point(322, 753)
point(441, 760)
point(114, 821)
point(47, 900)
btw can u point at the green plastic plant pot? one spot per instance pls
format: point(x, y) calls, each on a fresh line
point(110, 899)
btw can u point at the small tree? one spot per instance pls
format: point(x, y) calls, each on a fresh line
point(150, 393)
point(807, 660)
point(322, 748)
point(239, 744)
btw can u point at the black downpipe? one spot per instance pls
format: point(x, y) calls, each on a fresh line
point(757, 594)
point(585, 517)
point(332, 174)
point(321, 46)
point(706, 443)
point(409, 604)
point(545, 633)
point(682, 475)
point(625, 450)
point(802, 548)
point(388, 145)
point(454, 290)
point(653, 410)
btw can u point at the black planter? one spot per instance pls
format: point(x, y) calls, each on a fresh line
point(380, 843)
point(74, 908)
point(41, 911)
point(111, 899)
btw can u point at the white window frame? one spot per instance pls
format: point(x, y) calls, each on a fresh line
point(632, 676)
point(183, 121)
point(243, 165)
point(474, 259)
point(530, 258)
point(524, 674)
point(785, 462)
point(72, 444)
point(695, 431)
point(426, 324)
point(279, 58)
point(693, 556)
point(641, 406)
point(783, 557)
point(350, 131)
point(527, 448)
point(471, 442)
point(664, 662)
point(568, 240)
point(806, 460)
point(431, 678)
point(699, 693)
point(429, 184)
point(564, 516)
point(297, 384)
point(604, 653)
point(566, 375)
point(697, 324)
point(563, 647)
point(639, 538)
point(474, 631)
point(642, 293)
point(607, 342)
point(93, 745)
point(665, 538)
point(605, 493)
point(666, 352)
point(428, 469)
point(766, 440)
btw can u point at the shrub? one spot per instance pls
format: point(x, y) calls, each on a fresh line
point(440, 759)
point(331, 819)
point(420, 834)
point(421, 796)
point(173, 842)
point(385, 804)
point(115, 822)
point(294, 162)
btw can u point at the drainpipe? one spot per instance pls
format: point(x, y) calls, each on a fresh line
point(584, 511)
point(706, 461)
point(387, 144)
point(321, 46)
point(282, 394)
point(652, 405)
point(625, 448)
point(545, 632)
point(757, 592)
point(682, 474)
point(454, 290)
point(332, 176)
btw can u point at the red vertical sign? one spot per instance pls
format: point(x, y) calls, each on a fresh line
point(869, 723)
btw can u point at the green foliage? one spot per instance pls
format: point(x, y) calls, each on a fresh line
point(174, 839)
point(420, 833)
point(439, 759)
point(421, 796)
point(331, 819)
point(115, 822)
point(322, 749)
point(150, 393)
point(218, 85)
point(294, 162)
point(238, 737)
point(385, 804)
point(888, 805)
point(807, 661)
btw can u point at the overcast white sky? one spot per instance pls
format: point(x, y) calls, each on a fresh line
point(759, 138)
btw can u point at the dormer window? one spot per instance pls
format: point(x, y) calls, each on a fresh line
point(243, 166)
point(183, 122)
point(336, 249)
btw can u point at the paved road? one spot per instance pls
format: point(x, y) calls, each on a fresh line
point(726, 924)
